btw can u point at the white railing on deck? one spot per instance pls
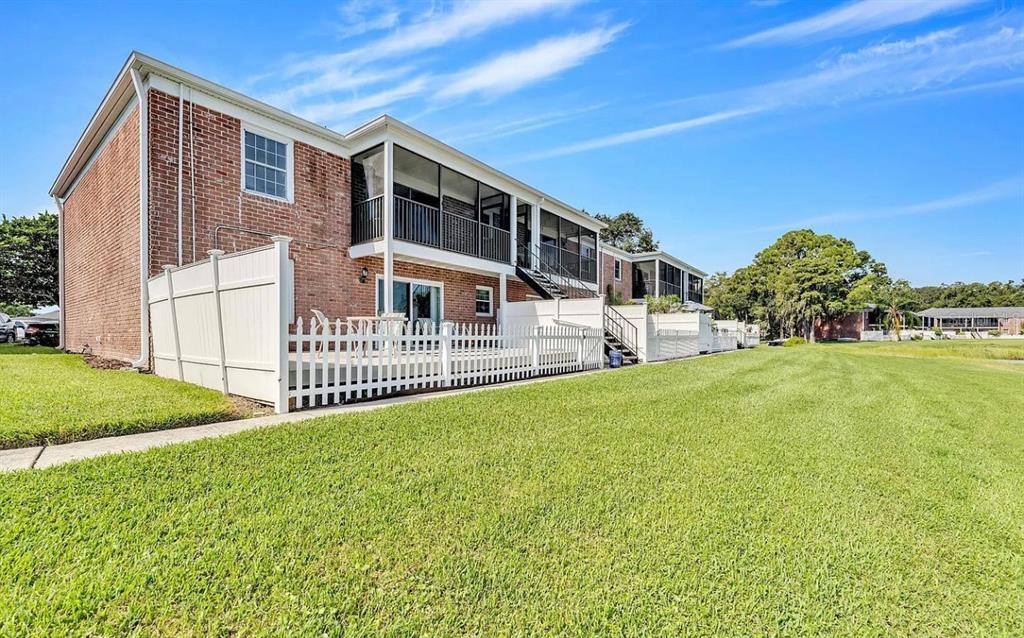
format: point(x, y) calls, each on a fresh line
point(335, 362)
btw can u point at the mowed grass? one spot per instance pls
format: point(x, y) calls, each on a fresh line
point(797, 491)
point(47, 397)
point(997, 349)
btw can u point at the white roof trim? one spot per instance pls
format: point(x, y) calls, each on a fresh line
point(657, 254)
point(165, 75)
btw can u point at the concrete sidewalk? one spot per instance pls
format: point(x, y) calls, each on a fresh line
point(47, 456)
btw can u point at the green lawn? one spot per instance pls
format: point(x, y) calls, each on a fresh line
point(47, 397)
point(999, 349)
point(813, 490)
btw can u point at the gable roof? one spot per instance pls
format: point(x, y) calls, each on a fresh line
point(122, 92)
point(1006, 312)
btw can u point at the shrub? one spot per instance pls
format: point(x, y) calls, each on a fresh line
point(663, 304)
point(937, 330)
point(916, 337)
point(794, 341)
point(994, 333)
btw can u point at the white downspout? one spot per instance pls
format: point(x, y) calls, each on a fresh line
point(143, 360)
point(181, 118)
point(60, 268)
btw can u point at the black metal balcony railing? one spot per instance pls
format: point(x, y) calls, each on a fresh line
point(368, 220)
point(459, 234)
point(670, 289)
point(494, 243)
point(427, 225)
point(588, 269)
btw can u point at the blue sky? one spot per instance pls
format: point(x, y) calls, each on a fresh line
point(899, 125)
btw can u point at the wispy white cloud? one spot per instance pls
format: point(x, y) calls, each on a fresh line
point(999, 191)
point(363, 16)
point(506, 128)
point(856, 17)
point(640, 134)
point(335, 110)
point(336, 80)
point(464, 20)
point(508, 72)
point(330, 87)
point(935, 63)
point(513, 70)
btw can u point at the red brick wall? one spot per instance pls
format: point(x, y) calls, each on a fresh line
point(325, 277)
point(320, 213)
point(101, 251)
point(849, 326)
point(625, 286)
point(101, 228)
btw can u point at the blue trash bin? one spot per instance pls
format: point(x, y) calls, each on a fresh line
point(614, 359)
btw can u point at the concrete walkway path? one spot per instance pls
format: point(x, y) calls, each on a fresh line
point(39, 457)
point(47, 456)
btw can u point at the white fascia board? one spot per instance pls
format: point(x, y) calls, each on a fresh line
point(245, 114)
point(386, 127)
point(217, 96)
point(118, 95)
point(618, 252)
point(428, 256)
point(100, 146)
point(662, 255)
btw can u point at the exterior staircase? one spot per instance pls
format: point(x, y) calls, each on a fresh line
point(621, 335)
point(549, 279)
point(540, 282)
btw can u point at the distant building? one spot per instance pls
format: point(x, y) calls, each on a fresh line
point(1007, 320)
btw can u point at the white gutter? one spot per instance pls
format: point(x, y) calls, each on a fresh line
point(60, 269)
point(143, 360)
point(181, 117)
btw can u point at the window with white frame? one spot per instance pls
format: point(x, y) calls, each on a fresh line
point(618, 270)
point(266, 165)
point(484, 301)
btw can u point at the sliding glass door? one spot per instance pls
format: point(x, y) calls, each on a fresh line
point(417, 301)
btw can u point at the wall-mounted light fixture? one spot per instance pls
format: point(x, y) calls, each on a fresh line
point(363, 274)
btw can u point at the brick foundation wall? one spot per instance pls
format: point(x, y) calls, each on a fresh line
point(625, 286)
point(101, 251)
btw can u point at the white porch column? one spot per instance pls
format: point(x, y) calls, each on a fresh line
point(600, 264)
point(535, 234)
point(514, 230)
point(657, 277)
point(389, 235)
point(502, 297)
point(686, 286)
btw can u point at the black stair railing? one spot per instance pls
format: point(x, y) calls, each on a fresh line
point(568, 284)
point(621, 328)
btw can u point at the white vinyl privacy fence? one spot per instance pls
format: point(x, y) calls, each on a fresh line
point(226, 323)
point(222, 322)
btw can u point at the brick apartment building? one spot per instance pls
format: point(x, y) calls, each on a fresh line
point(383, 219)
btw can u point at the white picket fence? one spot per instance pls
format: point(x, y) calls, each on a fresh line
point(339, 361)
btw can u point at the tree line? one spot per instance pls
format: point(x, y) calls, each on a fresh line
point(28, 263)
point(805, 278)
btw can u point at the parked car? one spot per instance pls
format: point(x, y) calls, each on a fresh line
point(42, 333)
point(8, 331)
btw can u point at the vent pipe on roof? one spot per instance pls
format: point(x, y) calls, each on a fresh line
point(143, 360)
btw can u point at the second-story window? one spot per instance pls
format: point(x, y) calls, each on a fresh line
point(266, 165)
